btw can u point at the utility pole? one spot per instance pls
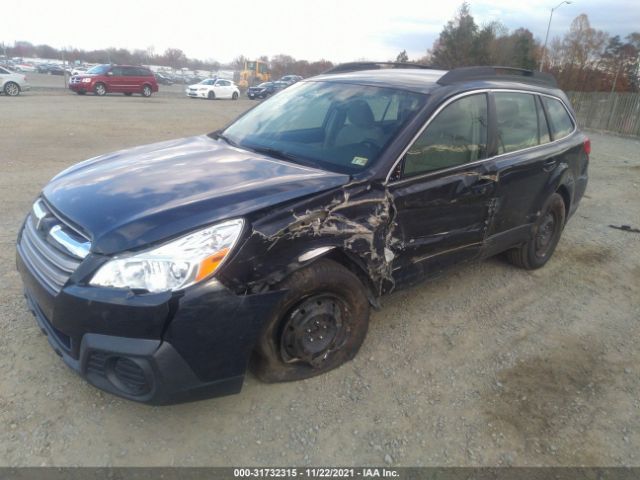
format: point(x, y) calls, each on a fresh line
point(544, 49)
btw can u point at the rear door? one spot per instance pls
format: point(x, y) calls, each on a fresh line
point(523, 162)
point(443, 195)
point(223, 89)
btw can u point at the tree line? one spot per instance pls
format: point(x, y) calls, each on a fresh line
point(584, 59)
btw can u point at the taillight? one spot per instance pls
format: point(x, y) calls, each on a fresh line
point(587, 146)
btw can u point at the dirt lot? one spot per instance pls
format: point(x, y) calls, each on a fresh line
point(488, 365)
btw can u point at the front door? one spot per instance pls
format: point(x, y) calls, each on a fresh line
point(443, 194)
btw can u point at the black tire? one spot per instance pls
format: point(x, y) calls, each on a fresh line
point(100, 89)
point(11, 89)
point(128, 94)
point(544, 238)
point(331, 301)
point(235, 96)
point(211, 95)
point(146, 91)
point(81, 93)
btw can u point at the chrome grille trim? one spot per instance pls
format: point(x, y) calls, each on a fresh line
point(53, 255)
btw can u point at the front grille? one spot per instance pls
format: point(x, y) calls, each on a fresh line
point(50, 248)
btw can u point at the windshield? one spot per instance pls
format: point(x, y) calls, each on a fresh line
point(329, 125)
point(99, 70)
point(264, 85)
point(207, 82)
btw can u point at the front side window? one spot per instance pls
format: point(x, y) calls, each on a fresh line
point(517, 121)
point(559, 120)
point(457, 135)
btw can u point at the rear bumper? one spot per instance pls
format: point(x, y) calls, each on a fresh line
point(154, 348)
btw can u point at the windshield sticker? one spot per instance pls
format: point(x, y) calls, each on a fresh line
point(362, 161)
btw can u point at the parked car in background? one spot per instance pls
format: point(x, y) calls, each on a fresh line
point(56, 70)
point(25, 67)
point(12, 83)
point(161, 272)
point(290, 79)
point(163, 79)
point(213, 88)
point(78, 70)
point(103, 79)
point(264, 90)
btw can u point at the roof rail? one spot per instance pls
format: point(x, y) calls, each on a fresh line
point(356, 66)
point(466, 74)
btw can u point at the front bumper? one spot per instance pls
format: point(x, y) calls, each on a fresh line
point(152, 348)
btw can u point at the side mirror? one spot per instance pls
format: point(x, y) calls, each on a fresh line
point(109, 74)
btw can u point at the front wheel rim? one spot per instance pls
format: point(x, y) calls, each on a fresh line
point(316, 328)
point(146, 91)
point(12, 89)
point(100, 90)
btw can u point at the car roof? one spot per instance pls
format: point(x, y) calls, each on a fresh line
point(425, 80)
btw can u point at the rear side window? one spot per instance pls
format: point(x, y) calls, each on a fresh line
point(458, 135)
point(559, 120)
point(517, 121)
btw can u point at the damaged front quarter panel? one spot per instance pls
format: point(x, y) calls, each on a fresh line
point(354, 220)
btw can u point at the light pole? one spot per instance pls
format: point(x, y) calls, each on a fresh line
point(544, 49)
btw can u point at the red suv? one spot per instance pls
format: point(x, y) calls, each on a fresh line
point(104, 79)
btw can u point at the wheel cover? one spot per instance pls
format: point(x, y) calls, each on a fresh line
point(314, 329)
point(545, 234)
point(100, 90)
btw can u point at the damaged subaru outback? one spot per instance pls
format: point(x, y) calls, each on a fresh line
point(162, 273)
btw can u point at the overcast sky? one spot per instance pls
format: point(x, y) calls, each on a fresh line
point(336, 30)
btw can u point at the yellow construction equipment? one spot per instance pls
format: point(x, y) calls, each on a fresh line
point(254, 72)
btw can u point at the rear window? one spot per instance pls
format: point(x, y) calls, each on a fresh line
point(560, 122)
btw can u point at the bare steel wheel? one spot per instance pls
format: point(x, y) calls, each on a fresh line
point(11, 89)
point(319, 324)
point(545, 236)
point(100, 89)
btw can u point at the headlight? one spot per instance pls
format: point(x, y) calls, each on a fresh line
point(175, 265)
point(86, 80)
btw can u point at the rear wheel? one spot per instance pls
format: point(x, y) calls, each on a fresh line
point(146, 91)
point(211, 95)
point(100, 89)
point(545, 237)
point(11, 89)
point(319, 324)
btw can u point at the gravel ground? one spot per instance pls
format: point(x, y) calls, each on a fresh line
point(487, 365)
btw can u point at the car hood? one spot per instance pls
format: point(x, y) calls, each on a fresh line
point(147, 194)
point(198, 85)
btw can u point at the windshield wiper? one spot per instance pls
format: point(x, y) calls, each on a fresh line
point(275, 153)
point(222, 136)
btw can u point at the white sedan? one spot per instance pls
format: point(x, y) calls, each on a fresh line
point(11, 84)
point(212, 88)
